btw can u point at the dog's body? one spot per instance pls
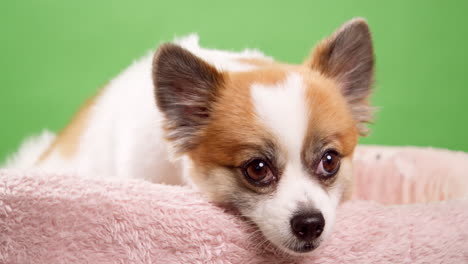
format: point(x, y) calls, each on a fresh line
point(274, 140)
point(119, 133)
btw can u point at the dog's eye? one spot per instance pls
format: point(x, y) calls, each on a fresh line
point(329, 164)
point(259, 172)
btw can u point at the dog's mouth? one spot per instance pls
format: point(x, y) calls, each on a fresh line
point(305, 248)
point(299, 248)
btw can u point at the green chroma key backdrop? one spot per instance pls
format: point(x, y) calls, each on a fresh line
point(57, 53)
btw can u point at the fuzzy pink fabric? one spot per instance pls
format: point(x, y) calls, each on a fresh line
point(50, 218)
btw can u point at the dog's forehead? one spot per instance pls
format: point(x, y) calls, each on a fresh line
point(282, 108)
point(301, 107)
point(286, 105)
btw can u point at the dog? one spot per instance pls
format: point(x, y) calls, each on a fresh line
point(274, 140)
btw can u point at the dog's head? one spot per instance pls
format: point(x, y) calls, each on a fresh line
point(275, 141)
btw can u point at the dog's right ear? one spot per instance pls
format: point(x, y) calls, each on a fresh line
point(348, 57)
point(185, 89)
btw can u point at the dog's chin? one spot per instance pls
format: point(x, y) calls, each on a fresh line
point(299, 248)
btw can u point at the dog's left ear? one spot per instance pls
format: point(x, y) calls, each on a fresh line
point(185, 88)
point(348, 57)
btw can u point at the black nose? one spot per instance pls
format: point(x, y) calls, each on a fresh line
point(308, 226)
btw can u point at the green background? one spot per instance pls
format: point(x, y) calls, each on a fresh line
point(55, 54)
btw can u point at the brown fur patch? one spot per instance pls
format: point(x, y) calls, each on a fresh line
point(331, 119)
point(331, 125)
point(66, 142)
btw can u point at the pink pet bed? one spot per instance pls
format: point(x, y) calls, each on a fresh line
point(50, 218)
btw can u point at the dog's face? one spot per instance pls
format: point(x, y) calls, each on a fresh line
point(276, 141)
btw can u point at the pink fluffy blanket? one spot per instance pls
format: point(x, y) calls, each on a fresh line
point(50, 218)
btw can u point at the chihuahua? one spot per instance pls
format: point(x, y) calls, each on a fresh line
point(272, 139)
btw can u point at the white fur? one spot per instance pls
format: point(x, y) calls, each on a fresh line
point(222, 60)
point(282, 109)
point(30, 150)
